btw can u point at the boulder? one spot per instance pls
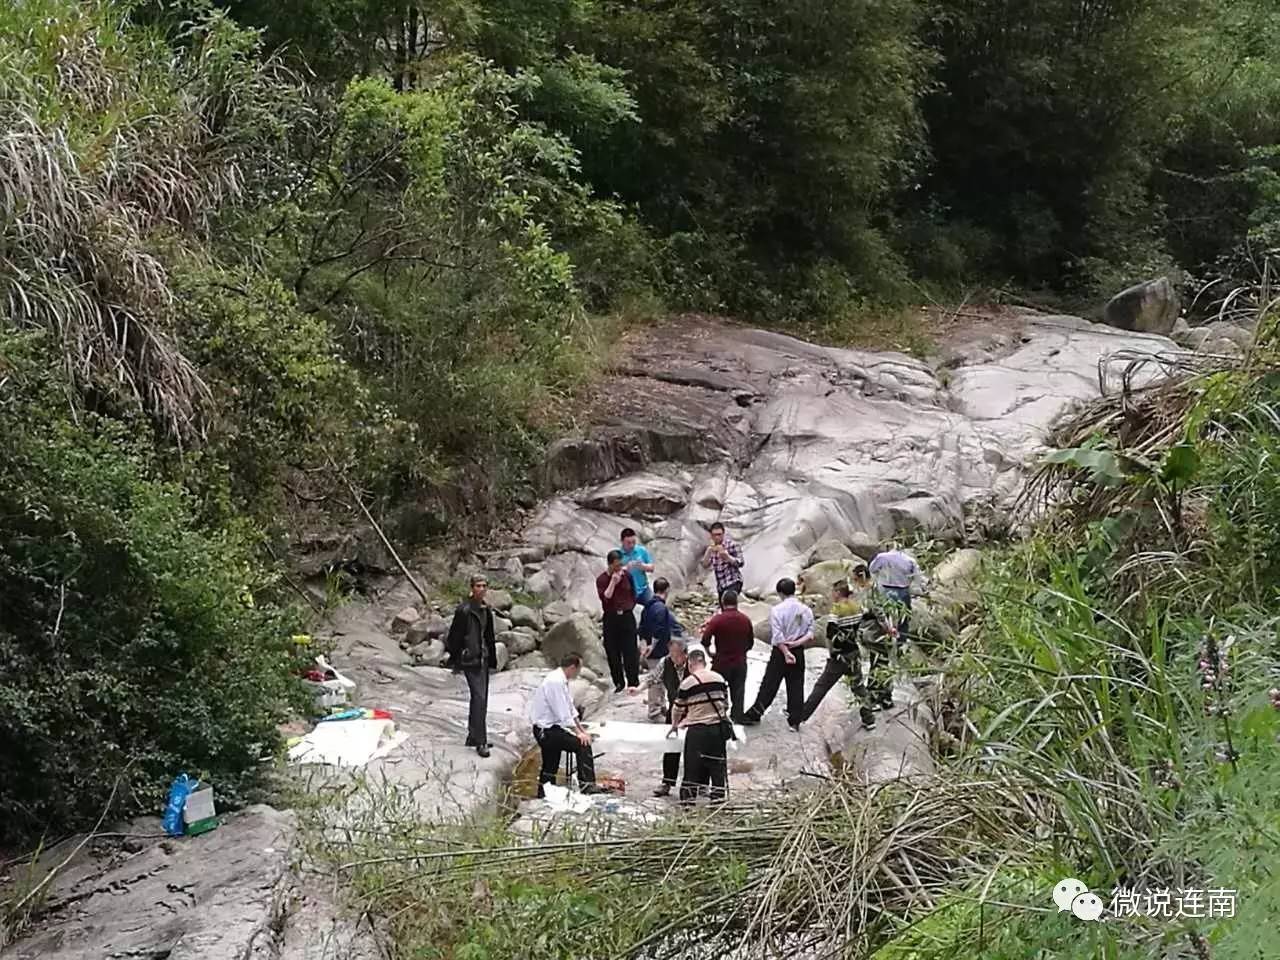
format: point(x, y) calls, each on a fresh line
point(522, 616)
point(431, 628)
point(518, 642)
point(402, 620)
point(927, 515)
point(1150, 307)
point(1181, 332)
point(959, 568)
point(820, 578)
point(829, 549)
point(501, 656)
point(531, 553)
point(499, 599)
point(928, 623)
point(1241, 337)
point(533, 660)
point(758, 614)
point(501, 624)
point(556, 612)
point(430, 653)
point(864, 544)
point(581, 635)
point(642, 494)
point(539, 584)
point(588, 696)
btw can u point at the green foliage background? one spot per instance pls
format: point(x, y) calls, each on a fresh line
point(251, 250)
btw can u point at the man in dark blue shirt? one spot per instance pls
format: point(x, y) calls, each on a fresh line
point(657, 626)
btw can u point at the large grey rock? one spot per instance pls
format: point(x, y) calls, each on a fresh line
point(402, 620)
point(518, 642)
point(539, 584)
point(959, 568)
point(225, 895)
point(581, 635)
point(928, 516)
point(829, 549)
point(432, 628)
point(843, 445)
point(639, 494)
point(821, 578)
point(522, 616)
point(1240, 337)
point(1150, 307)
point(501, 656)
point(498, 599)
point(556, 612)
point(502, 624)
point(429, 653)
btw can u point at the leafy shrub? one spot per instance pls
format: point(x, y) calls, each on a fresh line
point(131, 648)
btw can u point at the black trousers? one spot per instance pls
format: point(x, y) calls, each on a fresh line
point(553, 741)
point(621, 649)
point(776, 671)
point(478, 686)
point(670, 769)
point(736, 678)
point(835, 670)
point(879, 672)
point(705, 764)
point(736, 587)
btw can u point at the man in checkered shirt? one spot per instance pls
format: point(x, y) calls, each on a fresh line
point(724, 557)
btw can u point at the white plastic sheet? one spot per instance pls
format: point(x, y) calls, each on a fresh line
point(628, 737)
point(347, 743)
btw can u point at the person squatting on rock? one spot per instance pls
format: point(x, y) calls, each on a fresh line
point(701, 709)
point(845, 659)
point(790, 629)
point(657, 627)
point(638, 562)
point(730, 635)
point(724, 557)
point(470, 646)
point(556, 727)
point(675, 667)
point(618, 600)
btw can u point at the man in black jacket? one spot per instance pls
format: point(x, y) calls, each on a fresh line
point(471, 650)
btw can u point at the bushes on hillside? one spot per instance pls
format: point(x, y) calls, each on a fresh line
point(131, 644)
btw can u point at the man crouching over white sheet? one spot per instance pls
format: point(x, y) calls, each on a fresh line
point(556, 727)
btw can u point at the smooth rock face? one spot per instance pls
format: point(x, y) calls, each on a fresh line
point(841, 445)
point(1150, 307)
point(225, 895)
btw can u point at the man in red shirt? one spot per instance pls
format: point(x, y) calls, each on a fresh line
point(731, 633)
point(618, 600)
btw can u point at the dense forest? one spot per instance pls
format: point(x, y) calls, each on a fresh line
point(251, 251)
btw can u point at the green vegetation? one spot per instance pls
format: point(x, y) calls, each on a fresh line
point(250, 253)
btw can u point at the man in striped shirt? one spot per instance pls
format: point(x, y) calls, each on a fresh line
point(701, 707)
point(791, 629)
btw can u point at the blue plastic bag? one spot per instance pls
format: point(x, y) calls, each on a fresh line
point(181, 788)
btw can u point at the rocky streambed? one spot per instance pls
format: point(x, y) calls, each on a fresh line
point(810, 455)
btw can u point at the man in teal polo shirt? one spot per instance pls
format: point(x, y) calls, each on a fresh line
point(637, 560)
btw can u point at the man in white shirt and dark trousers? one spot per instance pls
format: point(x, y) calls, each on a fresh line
point(556, 727)
point(790, 628)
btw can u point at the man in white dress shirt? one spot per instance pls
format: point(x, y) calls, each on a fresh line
point(556, 727)
point(790, 631)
